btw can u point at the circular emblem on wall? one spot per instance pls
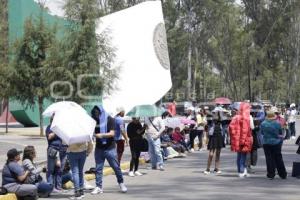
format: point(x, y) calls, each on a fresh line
point(161, 46)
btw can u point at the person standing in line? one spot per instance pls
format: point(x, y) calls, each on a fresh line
point(240, 129)
point(77, 154)
point(201, 122)
point(13, 176)
point(292, 120)
point(105, 148)
point(215, 143)
point(121, 137)
point(135, 132)
point(272, 134)
point(154, 127)
point(56, 153)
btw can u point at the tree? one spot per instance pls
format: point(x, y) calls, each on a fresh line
point(4, 62)
point(86, 53)
point(29, 75)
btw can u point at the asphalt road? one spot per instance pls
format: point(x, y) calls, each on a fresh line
point(184, 178)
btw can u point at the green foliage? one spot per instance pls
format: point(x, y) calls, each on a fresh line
point(29, 74)
point(85, 52)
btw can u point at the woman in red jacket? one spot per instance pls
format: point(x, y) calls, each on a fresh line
point(241, 137)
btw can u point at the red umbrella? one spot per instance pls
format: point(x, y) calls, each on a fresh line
point(222, 100)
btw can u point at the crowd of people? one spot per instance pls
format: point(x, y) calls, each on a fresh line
point(243, 126)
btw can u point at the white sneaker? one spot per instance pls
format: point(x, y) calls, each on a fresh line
point(97, 190)
point(137, 173)
point(293, 137)
point(123, 187)
point(192, 150)
point(131, 174)
point(246, 173)
point(241, 175)
point(206, 172)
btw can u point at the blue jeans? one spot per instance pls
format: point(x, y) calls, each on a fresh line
point(292, 129)
point(241, 162)
point(66, 178)
point(155, 152)
point(77, 161)
point(112, 159)
point(44, 188)
point(54, 174)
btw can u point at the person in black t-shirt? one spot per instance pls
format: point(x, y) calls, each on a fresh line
point(105, 148)
point(135, 132)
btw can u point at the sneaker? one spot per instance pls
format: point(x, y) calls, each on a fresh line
point(241, 175)
point(246, 173)
point(131, 174)
point(137, 173)
point(55, 190)
point(293, 137)
point(81, 193)
point(161, 168)
point(123, 187)
point(216, 171)
point(77, 196)
point(97, 190)
point(192, 150)
point(206, 172)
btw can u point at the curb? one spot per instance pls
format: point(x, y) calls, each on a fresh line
point(107, 171)
point(10, 196)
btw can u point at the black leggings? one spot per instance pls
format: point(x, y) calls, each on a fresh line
point(135, 155)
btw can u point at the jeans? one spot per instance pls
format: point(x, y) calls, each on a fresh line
point(241, 162)
point(54, 176)
point(77, 161)
point(225, 134)
point(120, 149)
point(154, 152)
point(66, 177)
point(44, 189)
point(274, 160)
point(193, 135)
point(292, 129)
point(111, 156)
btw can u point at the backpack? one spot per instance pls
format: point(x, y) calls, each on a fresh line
point(3, 191)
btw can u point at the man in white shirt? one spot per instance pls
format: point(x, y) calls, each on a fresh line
point(155, 126)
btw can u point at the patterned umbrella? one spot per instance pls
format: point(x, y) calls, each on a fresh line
point(222, 101)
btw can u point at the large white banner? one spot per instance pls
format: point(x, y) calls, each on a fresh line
point(139, 37)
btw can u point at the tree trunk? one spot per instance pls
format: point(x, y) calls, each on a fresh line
point(41, 109)
point(6, 117)
point(189, 66)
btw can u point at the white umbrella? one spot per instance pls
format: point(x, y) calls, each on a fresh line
point(62, 105)
point(73, 126)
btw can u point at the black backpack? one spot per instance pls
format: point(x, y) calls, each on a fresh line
point(3, 191)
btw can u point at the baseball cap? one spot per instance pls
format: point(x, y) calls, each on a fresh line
point(120, 109)
point(12, 153)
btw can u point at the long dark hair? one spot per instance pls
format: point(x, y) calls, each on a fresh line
point(29, 153)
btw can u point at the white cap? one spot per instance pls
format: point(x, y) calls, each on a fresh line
point(292, 105)
point(120, 109)
point(191, 108)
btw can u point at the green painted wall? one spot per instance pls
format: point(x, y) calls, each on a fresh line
point(18, 12)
